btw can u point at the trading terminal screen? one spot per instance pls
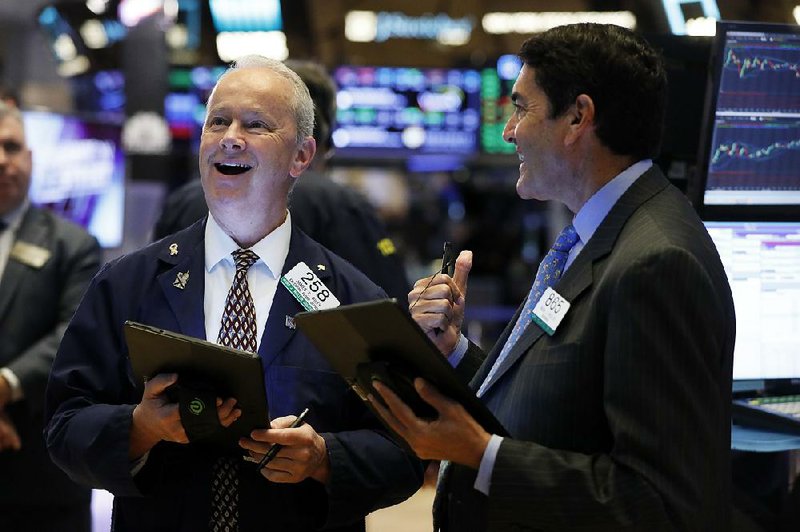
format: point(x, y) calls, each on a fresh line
point(395, 111)
point(752, 154)
point(762, 261)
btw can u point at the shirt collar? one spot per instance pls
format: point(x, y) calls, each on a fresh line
point(271, 250)
point(596, 208)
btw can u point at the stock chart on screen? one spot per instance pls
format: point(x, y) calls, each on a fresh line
point(753, 154)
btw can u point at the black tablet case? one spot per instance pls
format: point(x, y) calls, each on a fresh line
point(379, 339)
point(229, 372)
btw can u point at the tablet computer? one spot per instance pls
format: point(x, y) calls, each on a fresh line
point(380, 340)
point(224, 371)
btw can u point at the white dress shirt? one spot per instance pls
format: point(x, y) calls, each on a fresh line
point(262, 277)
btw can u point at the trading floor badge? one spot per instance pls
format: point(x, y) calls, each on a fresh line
point(180, 280)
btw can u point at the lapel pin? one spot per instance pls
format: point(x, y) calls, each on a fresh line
point(321, 267)
point(290, 322)
point(181, 279)
point(173, 249)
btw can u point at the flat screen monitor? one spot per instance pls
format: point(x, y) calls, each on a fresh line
point(762, 261)
point(751, 149)
point(393, 112)
point(78, 171)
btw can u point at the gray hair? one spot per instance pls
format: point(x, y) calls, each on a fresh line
point(301, 103)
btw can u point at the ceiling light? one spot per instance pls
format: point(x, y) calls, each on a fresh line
point(361, 26)
point(233, 44)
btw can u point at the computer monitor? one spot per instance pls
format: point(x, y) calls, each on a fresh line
point(397, 113)
point(751, 145)
point(762, 261)
point(78, 171)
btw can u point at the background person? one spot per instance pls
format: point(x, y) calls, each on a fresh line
point(46, 263)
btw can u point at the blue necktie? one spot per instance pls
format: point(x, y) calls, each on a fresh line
point(550, 270)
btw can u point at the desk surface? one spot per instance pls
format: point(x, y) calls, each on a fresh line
point(762, 441)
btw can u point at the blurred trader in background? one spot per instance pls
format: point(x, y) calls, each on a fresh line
point(226, 279)
point(615, 385)
point(334, 215)
point(46, 264)
point(9, 96)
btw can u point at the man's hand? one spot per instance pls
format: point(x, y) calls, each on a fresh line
point(439, 308)
point(304, 453)
point(453, 436)
point(155, 418)
point(9, 438)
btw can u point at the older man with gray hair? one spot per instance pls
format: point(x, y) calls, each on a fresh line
point(109, 432)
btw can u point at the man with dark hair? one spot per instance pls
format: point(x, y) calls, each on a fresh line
point(46, 263)
point(234, 278)
point(614, 378)
point(336, 216)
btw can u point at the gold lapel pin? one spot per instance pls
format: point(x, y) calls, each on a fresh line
point(173, 249)
point(321, 267)
point(180, 280)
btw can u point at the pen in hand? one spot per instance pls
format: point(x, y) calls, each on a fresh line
point(448, 265)
point(448, 259)
point(272, 452)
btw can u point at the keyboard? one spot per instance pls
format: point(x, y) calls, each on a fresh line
point(779, 413)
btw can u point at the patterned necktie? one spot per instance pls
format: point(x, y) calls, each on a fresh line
point(550, 270)
point(238, 330)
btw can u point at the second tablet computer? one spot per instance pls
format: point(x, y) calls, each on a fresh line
point(379, 340)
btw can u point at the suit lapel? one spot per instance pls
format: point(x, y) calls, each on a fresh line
point(32, 230)
point(491, 358)
point(579, 276)
point(183, 283)
point(577, 279)
point(277, 331)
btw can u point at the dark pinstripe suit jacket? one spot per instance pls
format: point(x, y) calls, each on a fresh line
point(621, 419)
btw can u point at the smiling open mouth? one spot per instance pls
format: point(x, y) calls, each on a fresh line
point(232, 168)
